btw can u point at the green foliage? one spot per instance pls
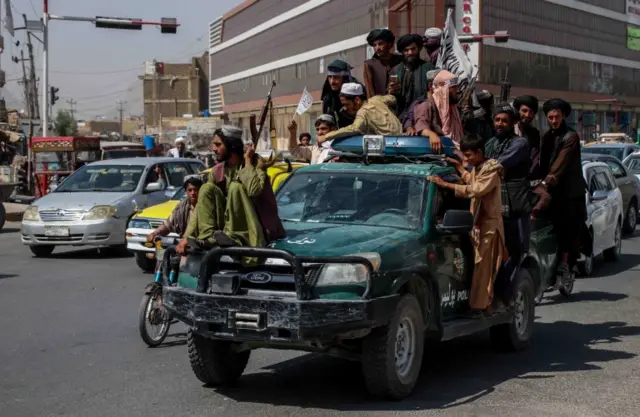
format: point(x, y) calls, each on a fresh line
point(64, 124)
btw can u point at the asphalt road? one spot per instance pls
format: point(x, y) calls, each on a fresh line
point(70, 347)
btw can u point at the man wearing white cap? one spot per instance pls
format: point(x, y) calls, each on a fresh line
point(372, 117)
point(432, 42)
point(179, 150)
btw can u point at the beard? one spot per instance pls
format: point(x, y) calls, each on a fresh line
point(502, 133)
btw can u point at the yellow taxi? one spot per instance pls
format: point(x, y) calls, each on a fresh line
point(150, 218)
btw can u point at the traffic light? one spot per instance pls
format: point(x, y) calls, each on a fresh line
point(118, 23)
point(54, 97)
point(168, 25)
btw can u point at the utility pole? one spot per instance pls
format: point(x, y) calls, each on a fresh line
point(166, 24)
point(71, 102)
point(121, 112)
point(27, 88)
point(32, 76)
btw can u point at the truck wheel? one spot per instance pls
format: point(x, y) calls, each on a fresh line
point(517, 334)
point(42, 251)
point(215, 362)
point(144, 263)
point(392, 355)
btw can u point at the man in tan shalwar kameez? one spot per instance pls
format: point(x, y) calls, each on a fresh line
point(482, 186)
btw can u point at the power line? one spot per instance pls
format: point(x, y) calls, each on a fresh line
point(71, 102)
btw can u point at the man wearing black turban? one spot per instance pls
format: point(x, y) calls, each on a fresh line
point(338, 73)
point(411, 76)
point(561, 160)
point(512, 152)
point(527, 107)
point(377, 69)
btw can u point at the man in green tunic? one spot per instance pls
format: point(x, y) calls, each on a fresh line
point(225, 214)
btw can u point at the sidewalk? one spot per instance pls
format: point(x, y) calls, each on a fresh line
point(14, 211)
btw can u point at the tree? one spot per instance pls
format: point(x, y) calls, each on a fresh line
point(65, 124)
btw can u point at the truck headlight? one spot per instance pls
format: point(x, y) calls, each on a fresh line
point(348, 274)
point(100, 213)
point(31, 214)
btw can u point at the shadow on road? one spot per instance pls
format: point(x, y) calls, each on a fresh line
point(93, 253)
point(584, 296)
point(4, 276)
point(454, 373)
point(8, 230)
point(627, 262)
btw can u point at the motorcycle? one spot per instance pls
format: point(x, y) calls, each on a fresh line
point(153, 319)
point(565, 288)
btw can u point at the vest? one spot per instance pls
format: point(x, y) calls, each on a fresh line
point(380, 72)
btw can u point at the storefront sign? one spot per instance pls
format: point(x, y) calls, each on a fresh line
point(633, 37)
point(468, 23)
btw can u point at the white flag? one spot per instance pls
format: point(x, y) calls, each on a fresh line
point(306, 101)
point(454, 59)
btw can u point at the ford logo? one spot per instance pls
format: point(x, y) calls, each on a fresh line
point(259, 277)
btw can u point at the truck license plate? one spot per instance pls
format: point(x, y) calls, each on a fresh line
point(56, 231)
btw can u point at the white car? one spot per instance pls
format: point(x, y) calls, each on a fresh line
point(604, 214)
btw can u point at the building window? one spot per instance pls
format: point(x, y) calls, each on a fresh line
point(343, 56)
point(266, 79)
point(321, 65)
point(274, 75)
point(301, 70)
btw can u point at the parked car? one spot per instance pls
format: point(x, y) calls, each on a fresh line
point(142, 223)
point(604, 215)
point(632, 163)
point(94, 204)
point(629, 186)
point(619, 150)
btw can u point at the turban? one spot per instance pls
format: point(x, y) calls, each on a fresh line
point(179, 140)
point(326, 118)
point(529, 101)
point(352, 89)
point(557, 104)
point(433, 33)
point(232, 138)
point(505, 108)
point(384, 35)
point(407, 40)
point(339, 68)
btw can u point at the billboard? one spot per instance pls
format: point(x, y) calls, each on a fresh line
point(633, 38)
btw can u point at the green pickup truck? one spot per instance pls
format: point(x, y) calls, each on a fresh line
point(377, 262)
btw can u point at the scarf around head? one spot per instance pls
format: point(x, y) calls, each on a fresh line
point(449, 113)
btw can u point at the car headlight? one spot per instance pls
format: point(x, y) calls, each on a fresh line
point(31, 214)
point(100, 213)
point(348, 274)
point(139, 224)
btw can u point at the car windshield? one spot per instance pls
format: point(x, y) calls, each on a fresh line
point(179, 195)
point(123, 153)
point(353, 198)
point(103, 178)
point(633, 164)
point(617, 152)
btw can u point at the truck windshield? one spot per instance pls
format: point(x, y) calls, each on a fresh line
point(103, 178)
point(353, 198)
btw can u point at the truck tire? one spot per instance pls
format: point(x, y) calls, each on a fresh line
point(41, 251)
point(215, 362)
point(144, 263)
point(517, 334)
point(392, 355)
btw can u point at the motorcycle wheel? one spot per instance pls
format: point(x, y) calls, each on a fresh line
point(153, 319)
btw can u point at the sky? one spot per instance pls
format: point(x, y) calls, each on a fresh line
point(99, 67)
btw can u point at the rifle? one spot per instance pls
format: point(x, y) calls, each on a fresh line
point(263, 115)
point(505, 86)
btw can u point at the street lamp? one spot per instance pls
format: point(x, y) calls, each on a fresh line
point(167, 25)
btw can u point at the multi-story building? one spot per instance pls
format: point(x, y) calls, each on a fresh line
point(173, 90)
point(584, 51)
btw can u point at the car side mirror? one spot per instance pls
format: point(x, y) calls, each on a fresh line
point(599, 195)
point(153, 187)
point(456, 222)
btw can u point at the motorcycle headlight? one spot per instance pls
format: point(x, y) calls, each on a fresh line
point(31, 214)
point(139, 224)
point(100, 213)
point(348, 274)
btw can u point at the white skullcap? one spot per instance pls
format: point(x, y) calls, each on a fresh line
point(433, 33)
point(179, 140)
point(352, 89)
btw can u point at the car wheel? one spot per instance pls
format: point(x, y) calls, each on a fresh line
point(392, 355)
point(215, 362)
point(613, 253)
point(517, 334)
point(144, 263)
point(631, 218)
point(586, 266)
point(42, 251)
